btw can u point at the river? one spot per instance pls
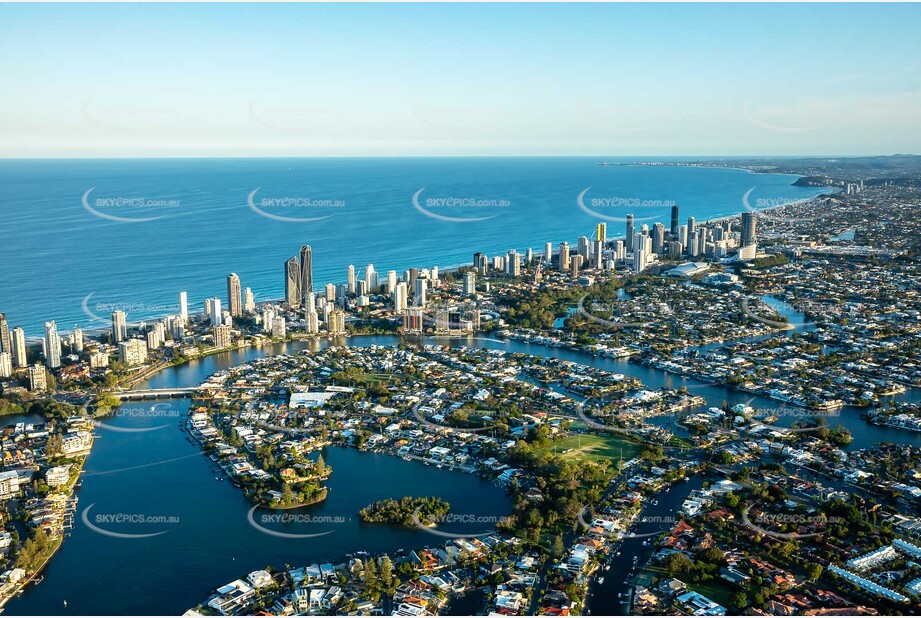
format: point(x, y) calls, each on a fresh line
point(203, 535)
point(654, 520)
point(209, 541)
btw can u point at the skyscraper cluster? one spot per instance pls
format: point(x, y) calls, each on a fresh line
point(691, 240)
point(299, 276)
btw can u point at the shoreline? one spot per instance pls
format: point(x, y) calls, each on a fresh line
point(59, 542)
point(35, 340)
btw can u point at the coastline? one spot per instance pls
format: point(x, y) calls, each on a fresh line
point(769, 208)
point(451, 265)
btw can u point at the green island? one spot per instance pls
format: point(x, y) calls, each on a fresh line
point(407, 511)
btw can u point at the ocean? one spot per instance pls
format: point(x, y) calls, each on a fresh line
point(80, 238)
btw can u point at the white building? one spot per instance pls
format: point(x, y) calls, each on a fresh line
point(133, 352)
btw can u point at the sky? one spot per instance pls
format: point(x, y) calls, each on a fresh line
point(251, 80)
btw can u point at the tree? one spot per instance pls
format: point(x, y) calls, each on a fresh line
point(386, 571)
point(558, 547)
point(678, 563)
point(33, 552)
point(370, 572)
point(105, 402)
point(739, 600)
point(321, 466)
point(55, 445)
point(814, 571)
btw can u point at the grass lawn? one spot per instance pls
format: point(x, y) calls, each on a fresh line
point(715, 590)
point(595, 448)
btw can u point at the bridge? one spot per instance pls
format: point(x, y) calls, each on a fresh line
point(156, 393)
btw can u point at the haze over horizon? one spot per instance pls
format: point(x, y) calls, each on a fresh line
point(358, 80)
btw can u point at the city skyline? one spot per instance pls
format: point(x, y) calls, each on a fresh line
point(298, 272)
point(456, 309)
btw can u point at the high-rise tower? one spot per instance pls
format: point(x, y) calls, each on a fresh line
point(630, 233)
point(51, 345)
point(748, 228)
point(292, 282)
point(234, 295)
point(306, 279)
point(5, 344)
point(119, 326)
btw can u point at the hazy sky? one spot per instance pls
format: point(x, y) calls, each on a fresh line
point(472, 79)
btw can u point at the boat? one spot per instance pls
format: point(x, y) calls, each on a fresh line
point(600, 580)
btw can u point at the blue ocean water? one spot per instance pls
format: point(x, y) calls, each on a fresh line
point(132, 233)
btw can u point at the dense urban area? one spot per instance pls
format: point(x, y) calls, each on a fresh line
point(627, 497)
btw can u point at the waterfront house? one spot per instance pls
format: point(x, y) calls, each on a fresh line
point(698, 605)
point(232, 598)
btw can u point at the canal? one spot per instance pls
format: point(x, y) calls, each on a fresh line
point(204, 538)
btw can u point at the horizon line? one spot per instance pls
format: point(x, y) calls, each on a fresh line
point(456, 156)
